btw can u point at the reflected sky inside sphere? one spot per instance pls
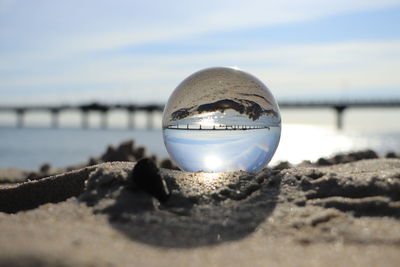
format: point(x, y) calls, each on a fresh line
point(219, 151)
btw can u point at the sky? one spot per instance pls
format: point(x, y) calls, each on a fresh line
point(139, 51)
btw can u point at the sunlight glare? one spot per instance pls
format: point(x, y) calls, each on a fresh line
point(208, 177)
point(310, 142)
point(212, 162)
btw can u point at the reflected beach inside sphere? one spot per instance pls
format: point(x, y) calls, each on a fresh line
point(221, 119)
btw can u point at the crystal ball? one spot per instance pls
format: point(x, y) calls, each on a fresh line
point(221, 120)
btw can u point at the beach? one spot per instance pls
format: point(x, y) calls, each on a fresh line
point(339, 211)
point(199, 133)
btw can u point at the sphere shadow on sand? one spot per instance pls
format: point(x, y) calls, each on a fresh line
point(202, 209)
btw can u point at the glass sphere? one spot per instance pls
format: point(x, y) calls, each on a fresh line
point(219, 120)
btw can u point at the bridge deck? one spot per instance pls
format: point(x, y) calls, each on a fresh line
point(158, 107)
point(338, 106)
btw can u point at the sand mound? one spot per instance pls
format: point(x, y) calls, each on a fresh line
point(346, 214)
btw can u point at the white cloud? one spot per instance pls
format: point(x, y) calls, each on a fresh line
point(48, 47)
point(52, 29)
point(287, 69)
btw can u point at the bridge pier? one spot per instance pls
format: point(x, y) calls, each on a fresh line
point(150, 119)
point(104, 122)
point(20, 117)
point(54, 117)
point(339, 116)
point(131, 118)
point(85, 119)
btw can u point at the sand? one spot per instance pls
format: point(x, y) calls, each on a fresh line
point(338, 215)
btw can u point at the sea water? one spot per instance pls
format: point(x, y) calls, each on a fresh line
point(28, 148)
point(221, 150)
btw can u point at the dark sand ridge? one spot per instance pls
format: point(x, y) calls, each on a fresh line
point(346, 214)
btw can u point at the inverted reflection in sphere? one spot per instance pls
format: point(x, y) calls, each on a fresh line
point(219, 120)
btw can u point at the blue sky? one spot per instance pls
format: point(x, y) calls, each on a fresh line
point(139, 51)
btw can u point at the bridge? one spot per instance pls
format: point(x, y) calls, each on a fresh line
point(85, 109)
point(340, 106)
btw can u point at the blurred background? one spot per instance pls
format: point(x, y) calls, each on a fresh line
point(136, 52)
